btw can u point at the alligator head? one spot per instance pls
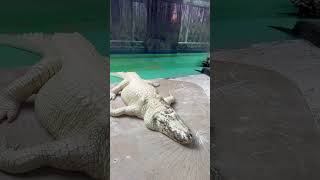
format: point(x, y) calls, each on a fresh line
point(169, 123)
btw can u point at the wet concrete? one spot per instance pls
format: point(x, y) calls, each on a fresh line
point(138, 153)
point(263, 126)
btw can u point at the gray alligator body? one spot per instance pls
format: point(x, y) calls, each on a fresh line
point(143, 101)
point(70, 83)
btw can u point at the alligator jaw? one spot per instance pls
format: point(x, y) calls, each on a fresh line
point(172, 126)
point(178, 132)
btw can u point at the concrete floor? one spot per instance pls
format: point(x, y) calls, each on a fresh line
point(138, 153)
point(267, 115)
point(297, 60)
point(201, 80)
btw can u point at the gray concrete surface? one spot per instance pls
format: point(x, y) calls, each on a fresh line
point(27, 131)
point(263, 126)
point(201, 80)
point(298, 60)
point(140, 154)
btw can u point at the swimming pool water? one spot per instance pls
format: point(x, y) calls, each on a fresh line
point(150, 66)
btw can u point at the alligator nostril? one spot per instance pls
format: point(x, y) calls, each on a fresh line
point(190, 137)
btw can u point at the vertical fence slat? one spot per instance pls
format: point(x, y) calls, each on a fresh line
point(129, 20)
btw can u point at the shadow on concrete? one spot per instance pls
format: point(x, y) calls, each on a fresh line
point(263, 127)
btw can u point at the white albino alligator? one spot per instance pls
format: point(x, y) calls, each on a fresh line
point(143, 101)
point(70, 83)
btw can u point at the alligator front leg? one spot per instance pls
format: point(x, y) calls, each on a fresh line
point(127, 110)
point(132, 110)
point(170, 99)
point(67, 154)
point(19, 90)
point(117, 89)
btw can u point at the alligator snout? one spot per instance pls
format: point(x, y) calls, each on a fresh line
point(184, 137)
point(170, 124)
point(178, 131)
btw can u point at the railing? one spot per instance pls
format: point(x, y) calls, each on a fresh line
point(195, 24)
point(129, 24)
point(138, 46)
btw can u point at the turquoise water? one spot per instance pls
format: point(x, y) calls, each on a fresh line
point(91, 18)
point(237, 33)
point(240, 23)
point(13, 58)
point(150, 66)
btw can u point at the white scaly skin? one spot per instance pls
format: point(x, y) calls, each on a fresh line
point(143, 101)
point(70, 83)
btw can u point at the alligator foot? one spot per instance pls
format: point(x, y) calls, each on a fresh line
point(9, 107)
point(132, 110)
point(117, 89)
